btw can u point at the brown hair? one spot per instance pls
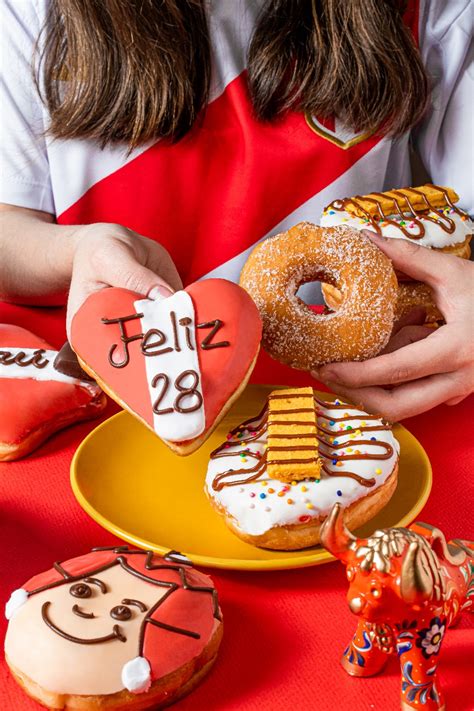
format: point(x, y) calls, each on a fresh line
point(138, 70)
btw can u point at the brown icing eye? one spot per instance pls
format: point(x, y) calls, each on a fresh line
point(80, 590)
point(121, 612)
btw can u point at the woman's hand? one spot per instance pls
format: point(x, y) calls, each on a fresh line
point(112, 255)
point(420, 368)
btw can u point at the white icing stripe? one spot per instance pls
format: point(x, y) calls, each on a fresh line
point(256, 507)
point(48, 372)
point(173, 426)
point(434, 235)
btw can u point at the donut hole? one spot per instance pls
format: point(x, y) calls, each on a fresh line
point(316, 294)
point(311, 293)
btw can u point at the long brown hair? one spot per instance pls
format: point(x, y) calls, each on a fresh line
point(138, 70)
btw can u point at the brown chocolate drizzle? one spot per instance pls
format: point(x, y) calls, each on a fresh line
point(257, 426)
point(77, 611)
point(115, 634)
point(186, 322)
point(215, 325)
point(174, 324)
point(96, 581)
point(121, 613)
point(121, 552)
point(443, 221)
point(123, 337)
point(80, 590)
point(37, 359)
point(137, 603)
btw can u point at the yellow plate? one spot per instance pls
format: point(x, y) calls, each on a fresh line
point(128, 481)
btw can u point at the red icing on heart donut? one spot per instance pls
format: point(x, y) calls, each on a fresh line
point(28, 405)
point(226, 332)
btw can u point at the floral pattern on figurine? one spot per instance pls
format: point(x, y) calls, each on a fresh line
point(407, 586)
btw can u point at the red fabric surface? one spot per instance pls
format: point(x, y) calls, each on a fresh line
point(284, 631)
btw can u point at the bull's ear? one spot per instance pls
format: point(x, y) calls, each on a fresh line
point(416, 582)
point(334, 535)
point(453, 554)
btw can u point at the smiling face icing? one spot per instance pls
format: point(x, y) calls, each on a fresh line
point(76, 636)
point(92, 662)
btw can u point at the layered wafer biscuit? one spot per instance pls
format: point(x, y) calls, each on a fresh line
point(426, 214)
point(392, 202)
point(359, 461)
point(292, 448)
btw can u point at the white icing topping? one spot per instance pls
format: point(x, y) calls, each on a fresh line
point(17, 600)
point(136, 675)
point(255, 514)
point(48, 372)
point(434, 235)
point(173, 426)
point(179, 557)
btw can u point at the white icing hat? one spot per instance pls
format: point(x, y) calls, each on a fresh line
point(17, 600)
point(136, 675)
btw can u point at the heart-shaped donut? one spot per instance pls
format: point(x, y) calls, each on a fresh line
point(36, 397)
point(177, 364)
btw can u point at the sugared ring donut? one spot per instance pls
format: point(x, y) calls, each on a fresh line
point(415, 293)
point(292, 332)
point(410, 294)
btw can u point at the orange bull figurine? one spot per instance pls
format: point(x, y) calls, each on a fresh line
point(407, 585)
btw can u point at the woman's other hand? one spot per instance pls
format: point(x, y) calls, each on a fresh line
point(420, 368)
point(112, 255)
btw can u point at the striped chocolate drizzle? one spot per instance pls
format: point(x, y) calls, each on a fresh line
point(254, 428)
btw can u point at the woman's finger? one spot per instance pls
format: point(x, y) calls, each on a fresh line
point(405, 400)
point(433, 354)
point(407, 335)
point(415, 317)
point(420, 263)
point(161, 263)
point(112, 264)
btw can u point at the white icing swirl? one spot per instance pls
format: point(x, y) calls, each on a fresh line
point(434, 235)
point(255, 514)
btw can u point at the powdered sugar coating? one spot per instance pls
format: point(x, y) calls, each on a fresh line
point(292, 332)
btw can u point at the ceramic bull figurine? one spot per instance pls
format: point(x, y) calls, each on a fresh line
point(407, 585)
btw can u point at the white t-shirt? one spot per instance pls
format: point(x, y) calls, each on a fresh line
point(233, 180)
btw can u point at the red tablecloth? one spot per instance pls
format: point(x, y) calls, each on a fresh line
point(284, 631)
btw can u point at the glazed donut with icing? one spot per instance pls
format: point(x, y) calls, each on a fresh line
point(351, 457)
point(113, 629)
point(292, 332)
point(426, 215)
point(37, 398)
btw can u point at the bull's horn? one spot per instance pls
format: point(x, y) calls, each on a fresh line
point(416, 582)
point(334, 535)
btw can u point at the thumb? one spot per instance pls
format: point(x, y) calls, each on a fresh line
point(126, 273)
point(420, 263)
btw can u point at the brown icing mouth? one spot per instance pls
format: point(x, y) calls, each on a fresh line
point(115, 634)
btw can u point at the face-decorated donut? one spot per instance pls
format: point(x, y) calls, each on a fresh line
point(292, 332)
point(177, 364)
point(36, 397)
point(110, 625)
